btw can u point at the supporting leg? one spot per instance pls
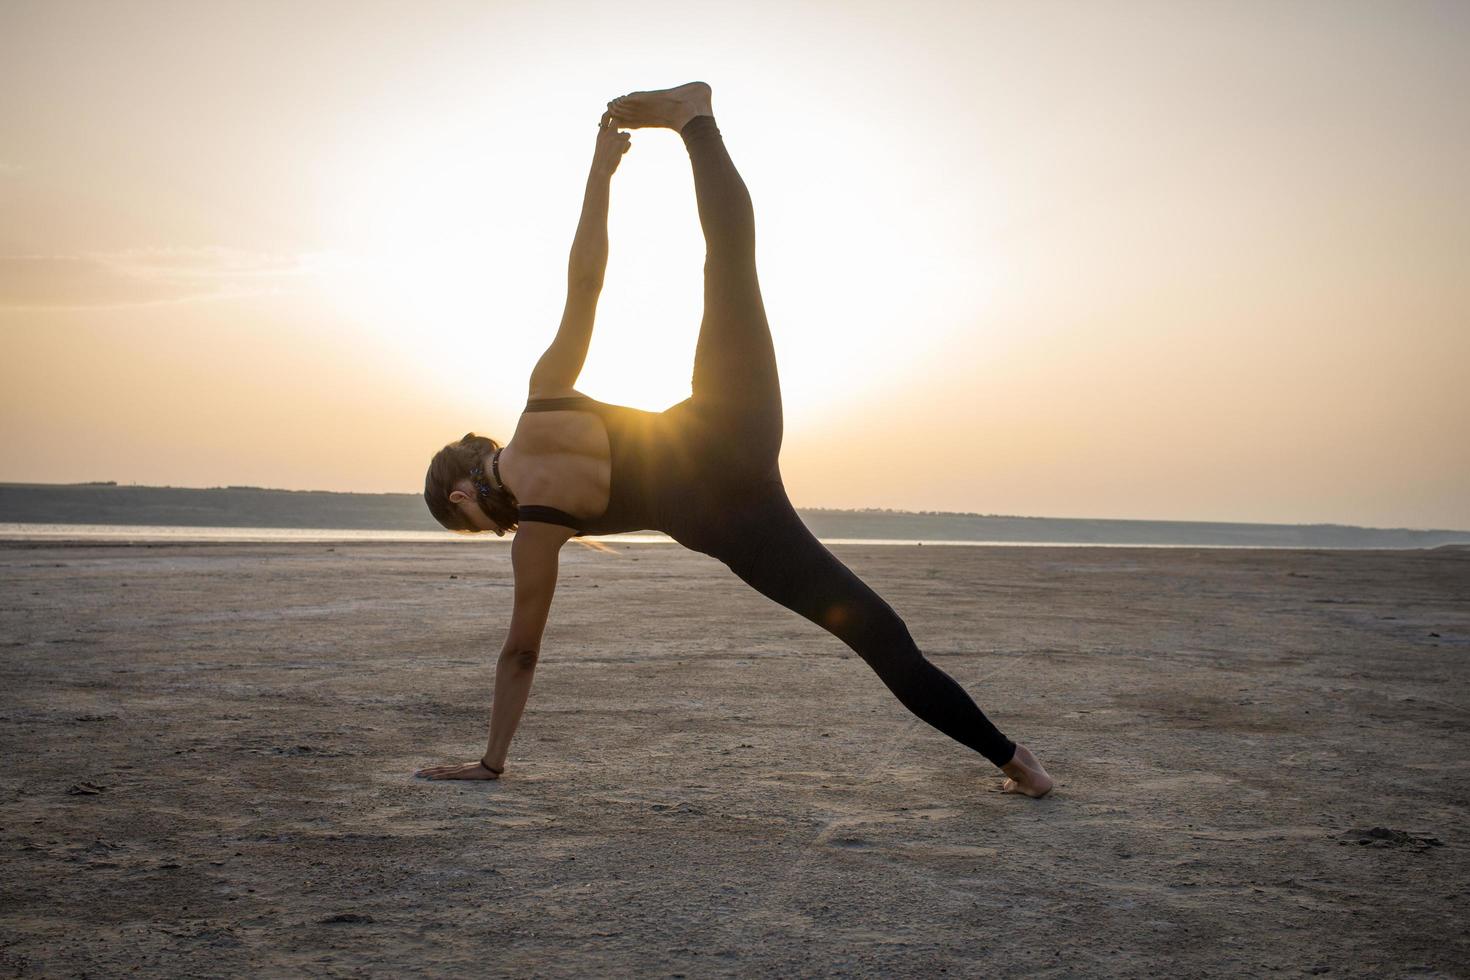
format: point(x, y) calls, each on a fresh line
point(783, 561)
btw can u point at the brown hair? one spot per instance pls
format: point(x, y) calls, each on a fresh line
point(452, 464)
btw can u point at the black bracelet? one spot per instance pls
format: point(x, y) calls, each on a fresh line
point(490, 767)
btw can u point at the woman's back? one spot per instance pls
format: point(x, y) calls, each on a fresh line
point(560, 459)
point(609, 468)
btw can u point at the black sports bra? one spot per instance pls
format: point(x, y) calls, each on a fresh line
point(553, 515)
point(548, 515)
point(650, 470)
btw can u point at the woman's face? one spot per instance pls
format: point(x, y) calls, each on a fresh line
point(463, 497)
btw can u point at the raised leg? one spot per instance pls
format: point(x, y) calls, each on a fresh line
point(735, 361)
point(736, 388)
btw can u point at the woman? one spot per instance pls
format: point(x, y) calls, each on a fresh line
point(704, 471)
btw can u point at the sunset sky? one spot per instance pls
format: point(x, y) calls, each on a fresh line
point(1205, 261)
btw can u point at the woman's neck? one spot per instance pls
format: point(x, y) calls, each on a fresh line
point(495, 467)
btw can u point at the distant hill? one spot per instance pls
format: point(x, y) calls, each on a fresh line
point(106, 503)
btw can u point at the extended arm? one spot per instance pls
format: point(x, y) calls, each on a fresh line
point(558, 368)
point(534, 557)
point(534, 554)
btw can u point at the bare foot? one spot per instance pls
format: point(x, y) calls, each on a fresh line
point(668, 108)
point(1027, 776)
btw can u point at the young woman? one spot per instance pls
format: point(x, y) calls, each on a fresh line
point(704, 471)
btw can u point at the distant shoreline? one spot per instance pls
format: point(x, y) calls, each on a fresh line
point(230, 513)
point(123, 535)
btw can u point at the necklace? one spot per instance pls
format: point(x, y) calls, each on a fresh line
point(477, 477)
point(495, 470)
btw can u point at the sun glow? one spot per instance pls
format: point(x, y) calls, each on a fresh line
point(1061, 259)
point(455, 253)
point(454, 245)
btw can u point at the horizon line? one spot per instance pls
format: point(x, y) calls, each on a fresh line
point(833, 510)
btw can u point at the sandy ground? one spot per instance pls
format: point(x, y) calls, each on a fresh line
point(1262, 764)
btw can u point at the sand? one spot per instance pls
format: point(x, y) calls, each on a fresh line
point(1261, 759)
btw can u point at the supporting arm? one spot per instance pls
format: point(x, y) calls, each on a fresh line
point(534, 559)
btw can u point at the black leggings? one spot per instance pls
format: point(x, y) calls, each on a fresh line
point(742, 515)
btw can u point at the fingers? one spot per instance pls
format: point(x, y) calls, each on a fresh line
point(608, 126)
point(451, 772)
point(617, 110)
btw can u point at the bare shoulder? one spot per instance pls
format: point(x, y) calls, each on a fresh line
point(535, 553)
point(537, 538)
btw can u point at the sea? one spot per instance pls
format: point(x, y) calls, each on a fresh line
point(162, 534)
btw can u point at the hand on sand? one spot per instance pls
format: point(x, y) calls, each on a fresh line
point(458, 770)
point(611, 145)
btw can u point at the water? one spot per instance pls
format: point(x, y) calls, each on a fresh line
point(157, 533)
point(151, 533)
